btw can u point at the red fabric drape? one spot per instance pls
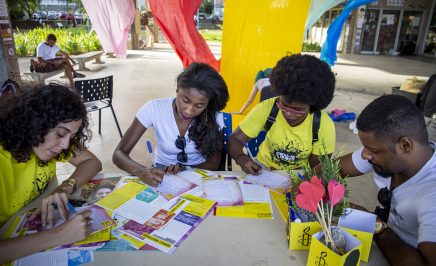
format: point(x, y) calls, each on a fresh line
point(176, 20)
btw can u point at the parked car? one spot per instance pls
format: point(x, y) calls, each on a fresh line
point(52, 15)
point(38, 15)
point(78, 17)
point(66, 16)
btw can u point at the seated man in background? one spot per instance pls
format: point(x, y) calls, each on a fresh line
point(396, 148)
point(47, 60)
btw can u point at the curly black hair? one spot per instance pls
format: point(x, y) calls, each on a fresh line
point(26, 119)
point(303, 78)
point(204, 130)
point(391, 117)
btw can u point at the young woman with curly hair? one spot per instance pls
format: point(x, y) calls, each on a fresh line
point(40, 127)
point(188, 128)
point(304, 84)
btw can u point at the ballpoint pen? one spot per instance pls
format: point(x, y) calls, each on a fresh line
point(294, 216)
point(251, 155)
point(150, 150)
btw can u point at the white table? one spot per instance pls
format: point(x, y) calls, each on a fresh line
point(223, 241)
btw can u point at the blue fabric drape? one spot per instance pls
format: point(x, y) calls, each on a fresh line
point(328, 51)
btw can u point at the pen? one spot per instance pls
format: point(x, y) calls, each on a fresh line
point(251, 155)
point(249, 152)
point(150, 150)
point(291, 212)
point(294, 216)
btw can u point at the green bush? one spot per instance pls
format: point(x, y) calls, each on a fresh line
point(311, 47)
point(72, 41)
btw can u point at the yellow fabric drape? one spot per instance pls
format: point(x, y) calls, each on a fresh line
point(256, 34)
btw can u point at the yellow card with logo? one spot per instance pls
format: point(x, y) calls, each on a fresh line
point(321, 255)
point(300, 234)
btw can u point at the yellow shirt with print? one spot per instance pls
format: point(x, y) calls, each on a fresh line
point(20, 183)
point(285, 146)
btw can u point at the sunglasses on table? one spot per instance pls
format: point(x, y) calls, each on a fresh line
point(293, 111)
point(181, 144)
point(384, 196)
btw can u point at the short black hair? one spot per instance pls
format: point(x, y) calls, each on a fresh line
point(391, 117)
point(303, 78)
point(26, 119)
point(51, 36)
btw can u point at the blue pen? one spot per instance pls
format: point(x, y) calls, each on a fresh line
point(292, 215)
point(71, 208)
point(150, 150)
point(291, 212)
point(300, 176)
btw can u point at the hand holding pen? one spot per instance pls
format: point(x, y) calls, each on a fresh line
point(248, 163)
point(151, 176)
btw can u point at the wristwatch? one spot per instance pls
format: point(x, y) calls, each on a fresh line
point(71, 182)
point(380, 226)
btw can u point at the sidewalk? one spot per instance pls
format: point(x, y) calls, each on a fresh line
point(151, 73)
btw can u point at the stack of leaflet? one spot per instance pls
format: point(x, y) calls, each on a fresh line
point(256, 201)
point(161, 218)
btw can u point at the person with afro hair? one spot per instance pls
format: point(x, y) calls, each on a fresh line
point(304, 85)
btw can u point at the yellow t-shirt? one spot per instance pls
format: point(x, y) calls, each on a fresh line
point(286, 146)
point(20, 183)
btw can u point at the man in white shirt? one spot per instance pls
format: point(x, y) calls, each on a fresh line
point(396, 147)
point(47, 60)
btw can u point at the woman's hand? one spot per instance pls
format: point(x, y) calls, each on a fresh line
point(151, 176)
point(173, 169)
point(248, 165)
point(57, 200)
point(76, 229)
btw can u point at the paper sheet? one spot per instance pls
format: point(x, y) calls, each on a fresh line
point(173, 186)
point(271, 180)
point(225, 191)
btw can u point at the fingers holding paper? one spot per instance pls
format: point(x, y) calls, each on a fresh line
point(173, 169)
point(77, 228)
point(56, 202)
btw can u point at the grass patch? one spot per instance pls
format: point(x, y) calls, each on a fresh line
point(212, 35)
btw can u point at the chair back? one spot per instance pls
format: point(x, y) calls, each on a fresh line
point(227, 131)
point(9, 88)
point(428, 98)
point(254, 143)
point(95, 89)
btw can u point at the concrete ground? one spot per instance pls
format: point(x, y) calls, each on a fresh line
point(148, 74)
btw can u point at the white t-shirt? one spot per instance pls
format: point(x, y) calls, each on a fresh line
point(262, 83)
point(159, 115)
point(47, 52)
point(413, 204)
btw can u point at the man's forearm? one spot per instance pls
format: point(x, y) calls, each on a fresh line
point(396, 251)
